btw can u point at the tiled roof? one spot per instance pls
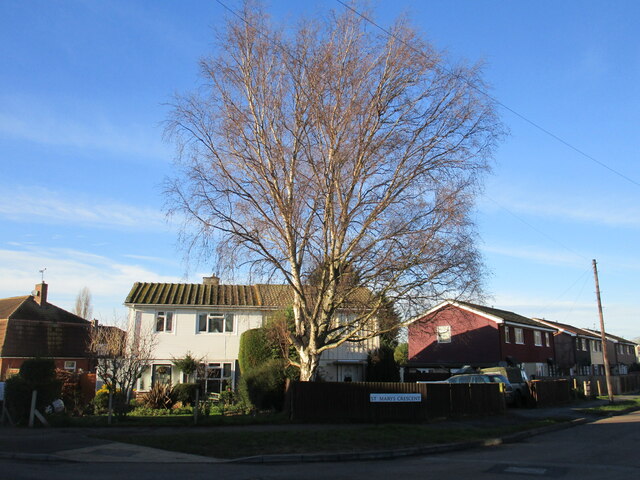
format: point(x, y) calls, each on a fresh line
point(197, 294)
point(9, 305)
point(505, 315)
point(614, 337)
point(570, 328)
point(29, 330)
point(193, 294)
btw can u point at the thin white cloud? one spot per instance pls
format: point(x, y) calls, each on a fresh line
point(36, 204)
point(610, 212)
point(620, 319)
point(536, 254)
point(70, 270)
point(25, 118)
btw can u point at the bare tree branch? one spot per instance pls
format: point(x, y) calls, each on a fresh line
point(334, 154)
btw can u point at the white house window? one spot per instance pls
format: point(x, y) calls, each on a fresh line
point(215, 323)
point(537, 338)
point(507, 338)
point(584, 345)
point(164, 321)
point(547, 342)
point(217, 377)
point(70, 365)
point(161, 374)
point(519, 335)
point(444, 333)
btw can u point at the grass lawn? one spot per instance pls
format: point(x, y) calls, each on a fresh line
point(92, 421)
point(617, 406)
point(236, 444)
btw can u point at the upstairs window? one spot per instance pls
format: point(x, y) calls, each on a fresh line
point(164, 322)
point(444, 334)
point(507, 337)
point(519, 336)
point(537, 338)
point(547, 342)
point(215, 323)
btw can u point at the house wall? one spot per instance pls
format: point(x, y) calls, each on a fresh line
point(565, 353)
point(184, 338)
point(474, 339)
point(11, 366)
point(347, 360)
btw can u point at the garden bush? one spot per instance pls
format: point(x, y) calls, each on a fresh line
point(160, 396)
point(381, 366)
point(35, 374)
point(264, 385)
point(101, 402)
point(254, 351)
point(185, 393)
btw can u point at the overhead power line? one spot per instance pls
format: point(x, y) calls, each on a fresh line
point(498, 102)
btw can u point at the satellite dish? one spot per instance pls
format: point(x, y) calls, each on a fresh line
point(34, 293)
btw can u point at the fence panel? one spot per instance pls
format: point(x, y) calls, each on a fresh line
point(551, 392)
point(340, 401)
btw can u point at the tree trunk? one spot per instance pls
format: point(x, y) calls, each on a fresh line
point(308, 365)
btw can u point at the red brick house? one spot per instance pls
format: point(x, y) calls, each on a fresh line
point(454, 334)
point(32, 327)
point(578, 351)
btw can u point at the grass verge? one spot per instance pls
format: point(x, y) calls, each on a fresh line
point(617, 406)
point(93, 421)
point(237, 444)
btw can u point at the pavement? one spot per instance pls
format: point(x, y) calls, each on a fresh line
point(81, 445)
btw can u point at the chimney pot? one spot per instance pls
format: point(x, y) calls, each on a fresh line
point(212, 280)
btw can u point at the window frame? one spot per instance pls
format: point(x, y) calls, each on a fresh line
point(518, 333)
point(547, 339)
point(207, 374)
point(443, 333)
point(507, 335)
point(67, 365)
point(209, 317)
point(168, 318)
point(537, 338)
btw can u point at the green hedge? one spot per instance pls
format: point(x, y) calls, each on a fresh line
point(254, 349)
point(263, 386)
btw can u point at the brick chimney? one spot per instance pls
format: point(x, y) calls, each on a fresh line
point(40, 294)
point(212, 280)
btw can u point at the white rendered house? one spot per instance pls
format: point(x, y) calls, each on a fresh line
point(207, 319)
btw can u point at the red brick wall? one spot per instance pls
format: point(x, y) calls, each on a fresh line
point(474, 339)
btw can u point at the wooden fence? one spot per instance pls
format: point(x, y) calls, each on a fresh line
point(551, 392)
point(590, 386)
point(353, 402)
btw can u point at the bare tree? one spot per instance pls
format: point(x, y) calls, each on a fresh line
point(83, 307)
point(330, 149)
point(121, 355)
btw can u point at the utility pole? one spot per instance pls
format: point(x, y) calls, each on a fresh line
point(603, 337)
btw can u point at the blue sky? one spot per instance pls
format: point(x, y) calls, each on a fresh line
point(83, 93)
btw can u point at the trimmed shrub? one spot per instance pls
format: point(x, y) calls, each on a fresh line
point(264, 385)
point(254, 351)
point(185, 393)
point(381, 366)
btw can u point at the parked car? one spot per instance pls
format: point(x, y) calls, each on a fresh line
point(517, 378)
point(486, 378)
point(469, 378)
